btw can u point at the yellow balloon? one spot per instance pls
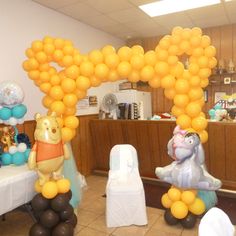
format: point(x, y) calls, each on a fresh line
point(58, 55)
point(78, 59)
point(134, 76)
point(170, 93)
point(70, 100)
point(33, 64)
point(67, 61)
point(55, 80)
point(155, 82)
point(86, 68)
point(83, 83)
point(95, 82)
point(108, 49)
point(29, 52)
point(113, 75)
point(177, 30)
point(58, 107)
point(197, 207)
point(41, 57)
point(137, 61)
point(168, 82)
point(179, 209)
point(150, 58)
point(177, 70)
point(172, 60)
point(177, 111)
point(45, 87)
point(101, 70)
point(63, 185)
point(165, 200)
point(203, 61)
point(181, 100)
point(195, 41)
point(69, 111)
point(137, 49)
point(68, 49)
point(37, 46)
point(174, 194)
point(206, 41)
point(188, 197)
point(47, 101)
point(204, 83)
point(56, 92)
point(195, 93)
point(162, 68)
point(193, 109)
point(60, 121)
point(96, 57)
point(66, 134)
point(112, 60)
point(193, 68)
point(181, 86)
point(210, 51)
point(164, 43)
point(124, 69)
point(37, 187)
point(72, 71)
point(125, 53)
point(59, 43)
point(184, 121)
point(147, 73)
point(199, 123)
point(194, 81)
point(49, 190)
point(71, 122)
point(203, 136)
point(68, 85)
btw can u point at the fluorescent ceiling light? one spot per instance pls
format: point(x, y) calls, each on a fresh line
point(165, 7)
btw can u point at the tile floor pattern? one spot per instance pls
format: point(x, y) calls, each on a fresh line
point(91, 218)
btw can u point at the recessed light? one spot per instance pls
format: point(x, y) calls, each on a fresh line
point(165, 7)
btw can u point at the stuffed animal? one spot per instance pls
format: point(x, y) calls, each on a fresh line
point(48, 153)
point(188, 169)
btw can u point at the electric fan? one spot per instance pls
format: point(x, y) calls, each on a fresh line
point(109, 105)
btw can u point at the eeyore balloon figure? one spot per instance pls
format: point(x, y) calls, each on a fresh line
point(188, 168)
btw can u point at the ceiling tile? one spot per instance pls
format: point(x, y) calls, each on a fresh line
point(127, 15)
point(209, 22)
point(118, 28)
point(140, 2)
point(79, 11)
point(140, 24)
point(107, 6)
point(171, 20)
point(206, 12)
point(55, 4)
point(156, 31)
point(230, 9)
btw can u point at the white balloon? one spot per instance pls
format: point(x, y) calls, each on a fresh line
point(21, 147)
point(12, 149)
point(13, 121)
point(11, 94)
point(20, 121)
point(1, 121)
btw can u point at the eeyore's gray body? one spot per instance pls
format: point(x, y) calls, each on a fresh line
point(188, 169)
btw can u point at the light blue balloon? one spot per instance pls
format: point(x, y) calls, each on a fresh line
point(19, 111)
point(18, 158)
point(6, 158)
point(212, 112)
point(217, 106)
point(5, 113)
point(26, 154)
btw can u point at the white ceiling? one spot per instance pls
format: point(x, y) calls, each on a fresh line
point(123, 18)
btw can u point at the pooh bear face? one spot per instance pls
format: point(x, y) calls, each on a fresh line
point(47, 129)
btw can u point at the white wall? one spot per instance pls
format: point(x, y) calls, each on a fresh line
point(23, 21)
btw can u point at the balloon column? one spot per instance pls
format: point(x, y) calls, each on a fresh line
point(12, 112)
point(188, 174)
point(51, 206)
point(160, 67)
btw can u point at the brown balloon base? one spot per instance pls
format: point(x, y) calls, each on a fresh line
point(55, 217)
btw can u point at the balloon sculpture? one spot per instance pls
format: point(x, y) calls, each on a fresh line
point(160, 68)
point(14, 147)
point(187, 174)
point(55, 215)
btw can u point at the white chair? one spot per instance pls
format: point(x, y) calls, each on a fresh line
point(216, 223)
point(125, 201)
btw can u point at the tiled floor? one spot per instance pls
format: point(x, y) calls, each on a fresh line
point(91, 218)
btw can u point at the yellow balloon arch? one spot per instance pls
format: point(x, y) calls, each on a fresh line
point(160, 68)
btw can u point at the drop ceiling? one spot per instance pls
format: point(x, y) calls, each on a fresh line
point(124, 19)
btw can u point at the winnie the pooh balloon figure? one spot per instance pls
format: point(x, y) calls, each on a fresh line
point(49, 151)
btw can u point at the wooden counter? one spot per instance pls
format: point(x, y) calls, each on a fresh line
point(150, 139)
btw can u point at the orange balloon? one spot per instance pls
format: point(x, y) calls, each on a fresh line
point(37, 46)
point(162, 68)
point(108, 49)
point(155, 82)
point(58, 55)
point(150, 57)
point(55, 80)
point(193, 109)
point(170, 93)
point(112, 60)
point(58, 107)
point(45, 87)
point(195, 93)
point(48, 48)
point(95, 82)
point(69, 111)
point(44, 76)
point(179, 210)
point(34, 74)
point(194, 81)
point(113, 75)
point(66, 134)
point(41, 57)
point(137, 49)
point(80, 94)
point(96, 57)
point(137, 61)
point(67, 60)
point(72, 71)
point(134, 76)
point(168, 82)
point(177, 111)
point(125, 53)
point(101, 70)
point(181, 86)
point(165, 200)
point(124, 69)
point(77, 59)
point(147, 73)
point(203, 136)
point(68, 85)
point(86, 68)
point(47, 101)
point(59, 43)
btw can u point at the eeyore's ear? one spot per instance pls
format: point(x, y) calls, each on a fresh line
point(170, 147)
point(200, 153)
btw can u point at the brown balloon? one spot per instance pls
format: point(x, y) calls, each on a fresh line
point(68, 194)
point(72, 220)
point(38, 230)
point(169, 218)
point(63, 229)
point(67, 213)
point(49, 218)
point(60, 202)
point(189, 221)
point(39, 203)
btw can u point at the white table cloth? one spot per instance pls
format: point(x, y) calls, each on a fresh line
point(16, 187)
